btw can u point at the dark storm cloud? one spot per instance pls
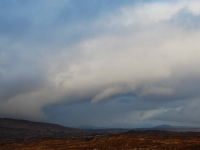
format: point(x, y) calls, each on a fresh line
point(186, 114)
point(183, 88)
point(106, 113)
point(120, 62)
point(19, 76)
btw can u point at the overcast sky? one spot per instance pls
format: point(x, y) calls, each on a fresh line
point(105, 63)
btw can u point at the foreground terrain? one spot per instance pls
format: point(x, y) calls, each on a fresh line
point(146, 140)
point(28, 135)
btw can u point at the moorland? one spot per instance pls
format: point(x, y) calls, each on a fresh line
point(27, 135)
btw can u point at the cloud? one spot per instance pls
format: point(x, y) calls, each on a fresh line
point(56, 54)
point(186, 114)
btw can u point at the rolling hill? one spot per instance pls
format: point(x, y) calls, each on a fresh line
point(14, 129)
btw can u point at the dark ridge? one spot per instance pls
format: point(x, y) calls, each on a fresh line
point(169, 128)
point(148, 132)
point(163, 127)
point(161, 132)
point(20, 129)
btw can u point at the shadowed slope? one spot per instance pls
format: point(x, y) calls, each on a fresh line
point(12, 128)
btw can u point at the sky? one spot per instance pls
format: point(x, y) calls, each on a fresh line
point(102, 63)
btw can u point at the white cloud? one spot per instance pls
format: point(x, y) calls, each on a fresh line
point(194, 7)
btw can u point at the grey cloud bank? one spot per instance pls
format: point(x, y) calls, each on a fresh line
point(119, 64)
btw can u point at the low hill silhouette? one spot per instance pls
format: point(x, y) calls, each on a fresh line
point(14, 129)
point(168, 128)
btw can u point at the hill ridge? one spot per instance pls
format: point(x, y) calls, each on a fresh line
point(15, 128)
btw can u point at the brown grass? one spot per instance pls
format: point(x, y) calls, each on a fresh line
point(114, 142)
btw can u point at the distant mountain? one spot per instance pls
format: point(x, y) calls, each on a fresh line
point(162, 127)
point(88, 127)
point(177, 128)
point(13, 128)
point(169, 128)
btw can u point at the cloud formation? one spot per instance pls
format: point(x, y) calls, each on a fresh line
point(56, 54)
